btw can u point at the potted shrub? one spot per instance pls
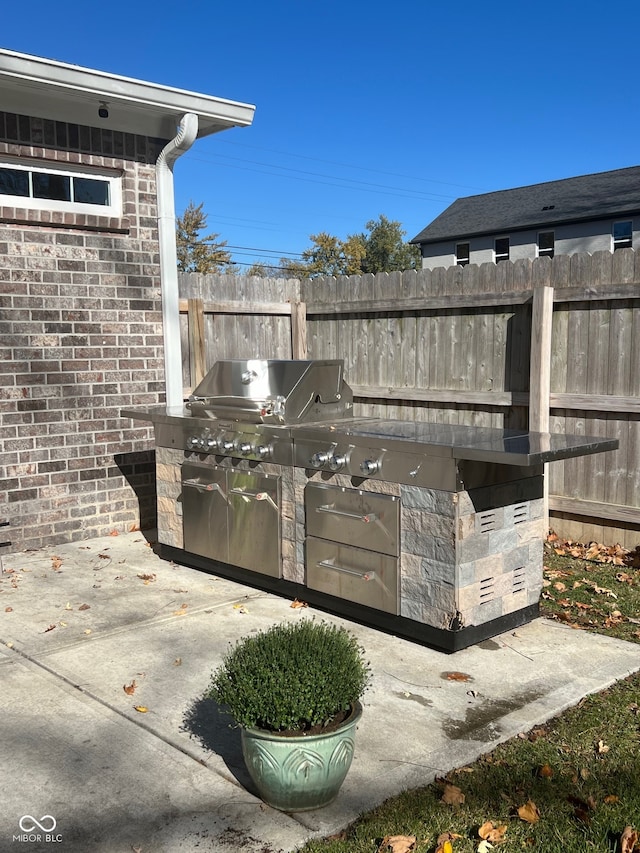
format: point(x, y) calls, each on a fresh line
point(294, 690)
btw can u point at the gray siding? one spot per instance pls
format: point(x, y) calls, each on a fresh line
point(590, 237)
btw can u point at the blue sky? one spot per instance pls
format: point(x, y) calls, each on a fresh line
point(364, 108)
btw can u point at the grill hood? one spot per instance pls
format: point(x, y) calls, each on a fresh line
point(273, 391)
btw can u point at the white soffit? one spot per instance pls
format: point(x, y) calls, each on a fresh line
point(31, 85)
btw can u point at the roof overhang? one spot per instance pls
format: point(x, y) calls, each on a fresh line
point(45, 88)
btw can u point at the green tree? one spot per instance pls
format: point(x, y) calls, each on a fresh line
point(386, 250)
point(382, 249)
point(196, 253)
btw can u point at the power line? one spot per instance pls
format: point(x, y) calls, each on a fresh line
point(348, 165)
point(379, 189)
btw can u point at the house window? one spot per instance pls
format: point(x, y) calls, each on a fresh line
point(546, 244)
point(49, 188)
point(462, 254)
point(622, 235)
point(502, 249)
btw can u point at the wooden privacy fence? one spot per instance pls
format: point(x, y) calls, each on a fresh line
point(553, 344)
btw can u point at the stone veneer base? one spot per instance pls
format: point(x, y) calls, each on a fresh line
point(470, 562)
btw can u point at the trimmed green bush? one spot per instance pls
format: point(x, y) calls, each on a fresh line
point(294, 676)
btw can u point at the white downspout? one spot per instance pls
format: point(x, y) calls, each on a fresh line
point(187, 133)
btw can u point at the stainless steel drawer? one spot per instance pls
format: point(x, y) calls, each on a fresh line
point(355, 574)
point(357, 518)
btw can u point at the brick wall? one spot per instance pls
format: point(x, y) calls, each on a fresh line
point(80, 337)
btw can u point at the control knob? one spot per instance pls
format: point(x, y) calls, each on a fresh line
point(260, 450)
point(370, 466)
point(319, 459)
point(192, 442)
point(243, 447)
point(337, 462)
point(225, 445)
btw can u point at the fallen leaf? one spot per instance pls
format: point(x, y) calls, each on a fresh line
point(130, 689)
point(68, 606)
point(610, 799)
point(445, 842)
point(180, 612)
point(624, 577)
point(529, 812)
point(56, 562)
point(602, 748)
point(582, 815)
point(546, 771)
point(560, 586)
point(492, 833)
point(397, 844)
point(88, 631)
point(50, 628)
point(296, 603)
point(452, 795)
point(8, 610)
point(147, 578)
point(114, 533)
point(84, 607)
point(133, 528)
point(628, 840)
point(240, 608)
point(457, 676)
point(140, 709)
point(177, 662)
point(484, 847)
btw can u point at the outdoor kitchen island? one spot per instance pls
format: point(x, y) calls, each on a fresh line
point(433, 532)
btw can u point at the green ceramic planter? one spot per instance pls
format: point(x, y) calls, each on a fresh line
point(295, 774)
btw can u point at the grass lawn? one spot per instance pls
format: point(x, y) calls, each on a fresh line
point(570, 786)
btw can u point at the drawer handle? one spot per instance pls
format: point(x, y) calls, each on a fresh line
point(328, 564)
point(256, 496)
point(367, 518)
point(205, 487)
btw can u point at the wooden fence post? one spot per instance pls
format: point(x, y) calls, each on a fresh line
point(298, 330)
point(540, 367)
point(540, 372)
point(195, 313)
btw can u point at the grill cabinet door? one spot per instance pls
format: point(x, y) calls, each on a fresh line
point(254, 521)
point(204, 511)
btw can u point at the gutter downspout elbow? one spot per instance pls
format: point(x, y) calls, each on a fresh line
point(186, 136)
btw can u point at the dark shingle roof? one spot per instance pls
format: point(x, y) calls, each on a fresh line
point(604, 194)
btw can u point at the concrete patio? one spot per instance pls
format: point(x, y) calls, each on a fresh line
point(82, 766)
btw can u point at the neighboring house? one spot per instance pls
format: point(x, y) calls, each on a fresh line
point(589, 213)
point(89, 313)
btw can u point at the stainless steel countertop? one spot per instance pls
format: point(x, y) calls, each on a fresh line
point(481, 444)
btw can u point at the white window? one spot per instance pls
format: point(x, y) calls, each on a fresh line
point(46, 187)
point(502, 249)
point(462, 254)
point(622, 235)
point(546, 244)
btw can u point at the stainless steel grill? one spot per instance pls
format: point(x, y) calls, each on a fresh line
point(433, 531)
point(273, 392)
